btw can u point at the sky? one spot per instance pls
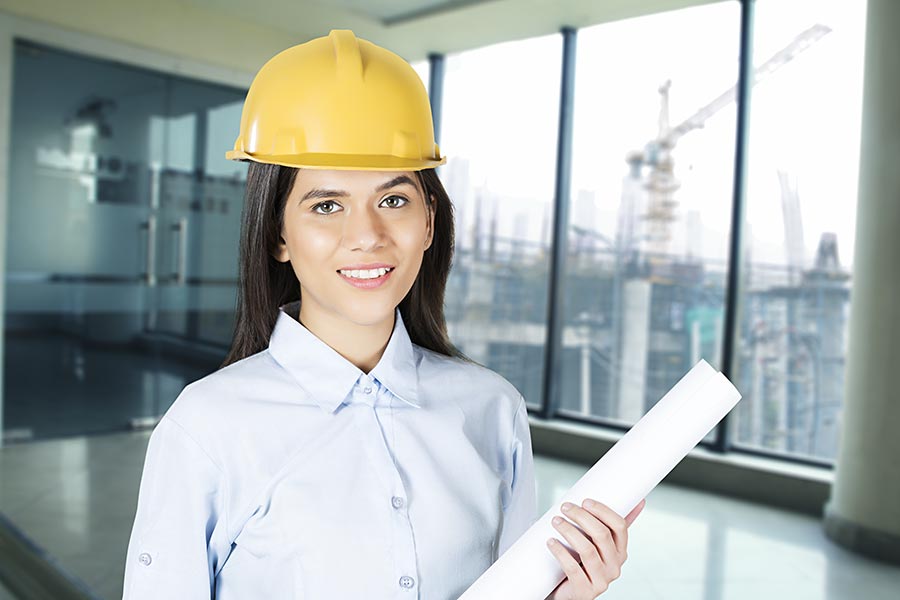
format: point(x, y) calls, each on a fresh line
point(500, 113)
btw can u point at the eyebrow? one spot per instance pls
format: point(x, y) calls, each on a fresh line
point(326, 193)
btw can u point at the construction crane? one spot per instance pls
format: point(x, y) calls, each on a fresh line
point(657, 153)
point(795, 247)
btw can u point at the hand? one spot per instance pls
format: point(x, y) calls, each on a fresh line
point(600, 546)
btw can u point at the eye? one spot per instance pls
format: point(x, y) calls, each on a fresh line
point(405, 201)
point(326, 202)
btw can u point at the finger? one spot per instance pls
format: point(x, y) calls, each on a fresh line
point(568, 563)
point(630, 517)
point(616, 524)
point(598, 533)
point(588, 552)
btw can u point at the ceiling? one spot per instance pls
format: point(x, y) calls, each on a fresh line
point(390, 12)
point(415, 28)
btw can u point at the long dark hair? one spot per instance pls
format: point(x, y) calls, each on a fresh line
point(265, 283)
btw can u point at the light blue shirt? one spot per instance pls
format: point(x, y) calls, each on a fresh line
point(291, 474)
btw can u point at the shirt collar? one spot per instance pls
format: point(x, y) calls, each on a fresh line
point(327, 376)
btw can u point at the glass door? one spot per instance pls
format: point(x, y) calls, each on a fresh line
point(121, 241)
point(196, 200)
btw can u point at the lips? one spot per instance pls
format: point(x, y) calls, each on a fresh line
point(366, 283)
point(377, 270)
point(362, 267)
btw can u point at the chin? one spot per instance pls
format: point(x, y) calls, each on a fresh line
point(371, 313)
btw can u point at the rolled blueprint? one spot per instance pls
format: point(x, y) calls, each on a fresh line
point(620, 479)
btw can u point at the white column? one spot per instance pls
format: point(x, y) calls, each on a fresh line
point(863, 513)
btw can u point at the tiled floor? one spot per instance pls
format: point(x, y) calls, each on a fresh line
point(692, 545)
point(76, 497)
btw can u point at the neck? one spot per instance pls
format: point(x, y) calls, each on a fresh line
point(362, 345)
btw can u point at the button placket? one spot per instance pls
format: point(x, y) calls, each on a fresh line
point(364, 391)
point(367, 384)
point(369, 420)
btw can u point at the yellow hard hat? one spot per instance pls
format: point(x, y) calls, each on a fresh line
point(338, 102)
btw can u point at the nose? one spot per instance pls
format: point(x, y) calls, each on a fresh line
point(363, 229)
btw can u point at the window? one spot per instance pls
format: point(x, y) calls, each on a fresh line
point(649, 215)
point(499, 132)
point(800, 215)
point(423, 69)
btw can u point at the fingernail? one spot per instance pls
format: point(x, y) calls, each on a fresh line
point(551, 542)
point(557, 520)
point(590, 503)
point(567, 506)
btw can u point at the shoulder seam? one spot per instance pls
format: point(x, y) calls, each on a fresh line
point(221, 471)
point(196, 443)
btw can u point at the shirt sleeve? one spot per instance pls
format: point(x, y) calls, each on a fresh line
point(179, 537)
point(520, 506)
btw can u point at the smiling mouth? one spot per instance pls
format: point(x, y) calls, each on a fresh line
point(365, 274)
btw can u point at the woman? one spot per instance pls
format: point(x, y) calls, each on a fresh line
point(345, 449)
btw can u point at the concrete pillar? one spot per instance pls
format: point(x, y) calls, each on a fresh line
point(863, 513)
point(637, 296)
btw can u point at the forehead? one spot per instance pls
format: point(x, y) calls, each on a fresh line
point(349, 181)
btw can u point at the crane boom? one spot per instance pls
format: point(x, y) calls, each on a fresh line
point(657, 154)
point(779, 59)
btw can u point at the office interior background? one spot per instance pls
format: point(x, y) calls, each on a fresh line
point(637, 185)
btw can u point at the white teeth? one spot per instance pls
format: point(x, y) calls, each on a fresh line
point(366, 273)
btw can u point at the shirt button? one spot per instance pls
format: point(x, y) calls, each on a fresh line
point(397, 502)
point(407, 582)
point(367, 389)
point(144, 559)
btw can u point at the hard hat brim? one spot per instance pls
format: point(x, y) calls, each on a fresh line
point(340, 162)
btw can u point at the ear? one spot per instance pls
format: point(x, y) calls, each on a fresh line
point(281, 253)
point(430, 235)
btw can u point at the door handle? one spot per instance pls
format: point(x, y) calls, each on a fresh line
point(180, 228)
point(149, 274)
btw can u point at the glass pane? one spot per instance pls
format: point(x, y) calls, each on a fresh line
point(108, 157)
point(79, 188)
point(423, 68)
point(653, 158)
point(110, 203)
point(801, 208)
point(200, 195)
point(500, 118)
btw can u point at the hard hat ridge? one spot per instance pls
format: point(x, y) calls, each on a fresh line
point(347, 57)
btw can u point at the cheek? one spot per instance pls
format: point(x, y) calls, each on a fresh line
point(413, 234)
point(414, 241)
point(414, 251)
point(310, 247)
point(314, 241)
